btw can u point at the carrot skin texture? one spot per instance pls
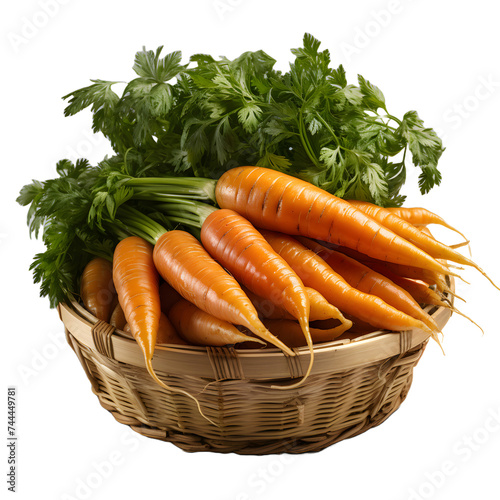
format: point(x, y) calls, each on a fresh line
point(280, 202)
point(183, 262)
point(389, 269)
point(201, 328)
point(317, 274)
point(406, 230)
point(97, 289)
point(320, 310)
point(137, 284)
point(419, 216)
point(369, 281)
point(241, 249)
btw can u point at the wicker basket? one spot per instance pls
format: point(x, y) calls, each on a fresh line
point(354, 385)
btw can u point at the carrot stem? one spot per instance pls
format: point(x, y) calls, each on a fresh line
point(190, 212)
point(163, 187)
point(141, 224)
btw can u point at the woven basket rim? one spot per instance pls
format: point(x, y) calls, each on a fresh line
point(255, 364)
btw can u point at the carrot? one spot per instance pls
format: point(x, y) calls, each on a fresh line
point(419, 290)
point(137, 284)
point(389, 269)
point(183, 262)
point(321, 309)
point(290, 332)
point(117, 318)
point(423, 241)
point(419, 216)
point(276, 201)
point(366, 280)
point(201, 328)
point(425, 295)
point(167, 334)
point(244, 252)
point(96, 288)
point(317, 274)
point(428, 232)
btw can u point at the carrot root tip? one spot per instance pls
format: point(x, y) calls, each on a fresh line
point(305, 327)
point(149, 366)
point(466, 317)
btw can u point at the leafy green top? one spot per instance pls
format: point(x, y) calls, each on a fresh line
point(221, 113)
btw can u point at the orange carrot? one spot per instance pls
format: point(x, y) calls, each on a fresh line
point(419, 238)
point(244, 252)
point(183, 262)
point(167, 334)
point(97, 290)
point(201, 328)
point(428, 232)
point(423, 294)
point(366, 280)
point(117, 318)
point(272, 200)
point(317, 274)
point(320, 310)
point(137, 284)
point(419, 216)
point(389, 269)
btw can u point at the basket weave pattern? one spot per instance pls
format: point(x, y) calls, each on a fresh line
point(336, 402)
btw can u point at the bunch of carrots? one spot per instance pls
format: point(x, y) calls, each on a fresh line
point(275, 261)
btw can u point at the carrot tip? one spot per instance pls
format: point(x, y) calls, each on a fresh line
point(305, 327)
point(149, 366)
point(487, 277)
point(436, 338)
point(467, 317)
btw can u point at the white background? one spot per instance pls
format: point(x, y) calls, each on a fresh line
point(440, 58)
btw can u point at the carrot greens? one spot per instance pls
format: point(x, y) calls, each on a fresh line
point(201, 118)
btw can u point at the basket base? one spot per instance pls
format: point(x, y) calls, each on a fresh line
point(192, 444)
